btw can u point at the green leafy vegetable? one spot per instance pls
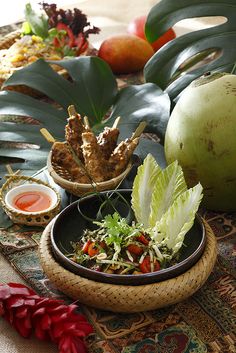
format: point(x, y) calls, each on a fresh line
point(169, 185)
point(155, 190)
point(117, 231)
point(179, 218)
point(163, 205)
point(38, 23)
point(144, 184)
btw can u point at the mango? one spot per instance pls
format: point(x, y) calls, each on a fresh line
point(125, 53)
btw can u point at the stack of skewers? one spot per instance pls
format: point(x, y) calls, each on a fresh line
point(85, 162)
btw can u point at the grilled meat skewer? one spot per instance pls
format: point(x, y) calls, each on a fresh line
point(107, 141)
point(119, 159)
point(73, 132)
point(62, 156)
point(95, 164)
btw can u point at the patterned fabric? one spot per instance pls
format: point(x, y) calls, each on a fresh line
point(206, 322)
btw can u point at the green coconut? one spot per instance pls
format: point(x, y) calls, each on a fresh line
point(201, 135)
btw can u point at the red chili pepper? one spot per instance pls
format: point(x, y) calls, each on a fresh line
point(56, 42)
point(81, 43)
point(145, 266)
point(86, 246)
point(143, 239)
point(135, 249)
point(62, 26)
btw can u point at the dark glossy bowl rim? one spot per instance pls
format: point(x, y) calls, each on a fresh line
point(126, 279)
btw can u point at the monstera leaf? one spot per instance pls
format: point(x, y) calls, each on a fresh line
point(189, 56)
point(92, 89)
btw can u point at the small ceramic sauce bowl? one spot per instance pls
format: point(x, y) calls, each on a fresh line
point(42, 191)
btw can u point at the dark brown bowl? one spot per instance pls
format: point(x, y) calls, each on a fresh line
point(69, 225)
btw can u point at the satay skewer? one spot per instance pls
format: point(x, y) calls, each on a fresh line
point(64, 155)
point(121, 155)
point(73, 131)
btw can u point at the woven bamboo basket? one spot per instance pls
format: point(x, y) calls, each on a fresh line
point(122, 298)
point(9, 39)
point(41, 218)
point(62, 178)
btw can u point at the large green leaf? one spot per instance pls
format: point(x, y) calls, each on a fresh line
point(139, 102)
point(14, 103)
point(42, 77)
point(212, 49)
point(93, 91)
point(94, 82)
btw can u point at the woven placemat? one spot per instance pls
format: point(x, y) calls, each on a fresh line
point(121, 298)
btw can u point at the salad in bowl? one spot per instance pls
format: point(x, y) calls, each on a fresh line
point(152, 231)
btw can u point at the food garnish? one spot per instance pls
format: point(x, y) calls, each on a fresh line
point(164, 210)
point(53, 35)
point(66, 30)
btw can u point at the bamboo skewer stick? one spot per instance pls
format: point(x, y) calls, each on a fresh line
point(46, 134)
point(116, 122)
point(139, 130)
point(11, 171)
point(86, 123)
point(72, 111)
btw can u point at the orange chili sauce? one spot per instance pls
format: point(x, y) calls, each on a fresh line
point(32, 201)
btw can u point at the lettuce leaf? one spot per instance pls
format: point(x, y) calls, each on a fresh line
point(143, 187)
point(169, 185)
point(179, 218)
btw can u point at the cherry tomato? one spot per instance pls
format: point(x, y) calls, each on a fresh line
point(143, 239)
point(137, 28)
point(93, 249)
point(135, 249)
point(145, 266)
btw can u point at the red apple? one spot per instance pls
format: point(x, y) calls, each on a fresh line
point(137, 28)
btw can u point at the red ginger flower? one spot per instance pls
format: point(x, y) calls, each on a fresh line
point(48, 319)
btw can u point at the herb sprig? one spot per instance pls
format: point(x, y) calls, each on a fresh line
point(66, 30)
